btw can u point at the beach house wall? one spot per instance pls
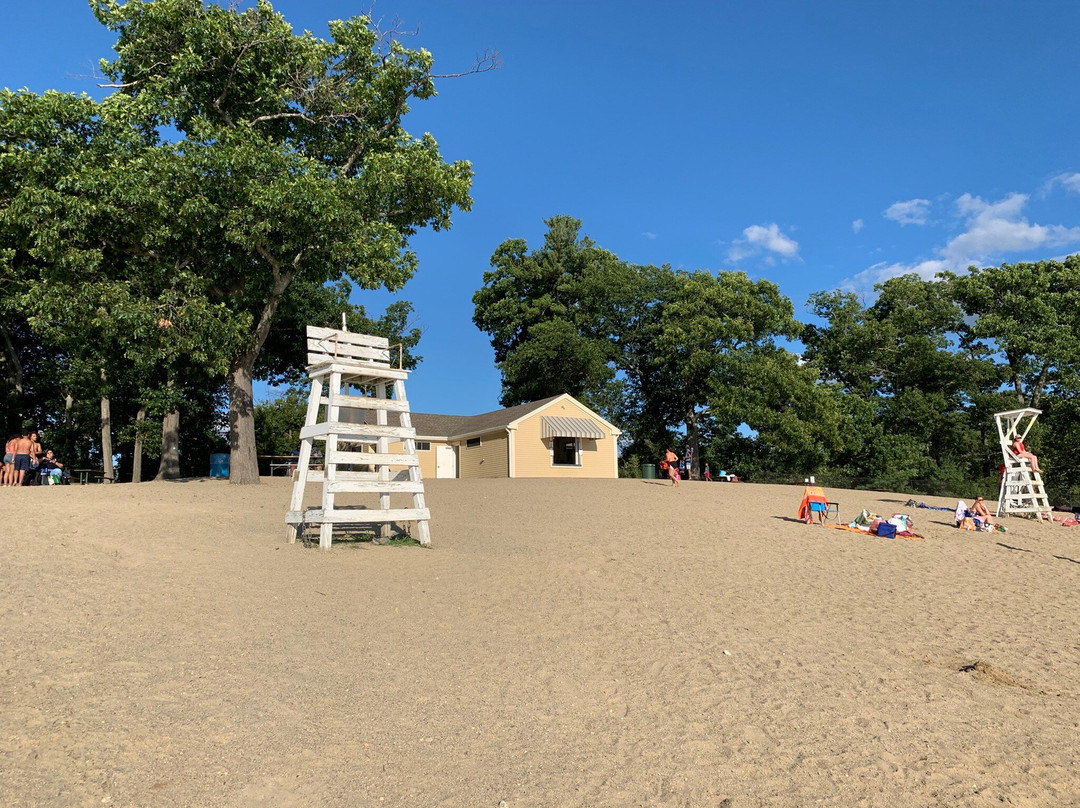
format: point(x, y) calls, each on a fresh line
point(555, 437)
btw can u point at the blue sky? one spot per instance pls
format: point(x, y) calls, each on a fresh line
point(815, 144)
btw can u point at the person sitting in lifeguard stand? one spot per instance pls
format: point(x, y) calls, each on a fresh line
point(1019, 450)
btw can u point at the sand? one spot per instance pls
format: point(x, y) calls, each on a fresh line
point(597, 643)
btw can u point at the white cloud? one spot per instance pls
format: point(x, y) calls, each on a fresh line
point(759, 239)
point(992, 230)
point(883, 270)
point(913, 211)
point(649, 235)
point(998, 227)
point(1069, 181)
point(857, 225)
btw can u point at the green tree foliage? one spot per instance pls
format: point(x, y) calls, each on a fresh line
point(1029, 314)
point(278, 422)
point(660, 351)
point(176, 230)
point(291, 162)
point(544, 311)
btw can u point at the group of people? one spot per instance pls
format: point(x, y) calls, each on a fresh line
point(24, 459)
point(674, 468)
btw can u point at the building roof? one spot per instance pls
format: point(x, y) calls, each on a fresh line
point(449, 426)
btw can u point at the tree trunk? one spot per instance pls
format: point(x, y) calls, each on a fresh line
point(136, 462)
point(692, 439)
point(170, 446)
point(106, 436)
point(243, 461)
point(9, 359)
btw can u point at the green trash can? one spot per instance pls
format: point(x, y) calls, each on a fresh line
point(648, 471)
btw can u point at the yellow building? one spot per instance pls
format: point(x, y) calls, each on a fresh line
point(554, 437)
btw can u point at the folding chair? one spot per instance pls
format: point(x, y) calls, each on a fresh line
point(832, 512)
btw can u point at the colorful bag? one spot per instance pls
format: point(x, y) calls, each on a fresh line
point(886, 530)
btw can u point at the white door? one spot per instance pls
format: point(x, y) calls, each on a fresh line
point(445, 461)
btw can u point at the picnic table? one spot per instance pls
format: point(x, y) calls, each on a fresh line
point(91, 475)
point(287, 463)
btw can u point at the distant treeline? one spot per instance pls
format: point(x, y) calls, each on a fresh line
point(898, 394)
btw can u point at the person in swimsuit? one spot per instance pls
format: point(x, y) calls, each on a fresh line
point(23, 446)
point(9, 461)
point(980, 510)
point(672, 460)
point(1019, 450)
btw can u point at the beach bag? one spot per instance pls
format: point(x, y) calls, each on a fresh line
point(902, 522)
point(886, 530)
point(864, 519)
point(967, 523)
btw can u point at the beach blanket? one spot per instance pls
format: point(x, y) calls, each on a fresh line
point(913, 504)
point(905, 535)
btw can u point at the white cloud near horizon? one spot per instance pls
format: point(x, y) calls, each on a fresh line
point(766, 239)
point(913, 211)
point(992, 230)
point(857, 225)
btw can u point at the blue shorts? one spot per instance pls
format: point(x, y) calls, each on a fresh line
point(9, 458)
point(22, 462)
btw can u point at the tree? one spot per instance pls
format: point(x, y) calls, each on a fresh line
point(290, 163)
point(1030, 314)
point(544, 312)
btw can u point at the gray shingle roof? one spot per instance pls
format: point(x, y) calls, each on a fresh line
point(430, 425)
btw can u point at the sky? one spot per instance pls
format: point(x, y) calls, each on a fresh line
point(819, 145)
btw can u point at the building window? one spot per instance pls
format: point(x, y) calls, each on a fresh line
point(423, 446)
point(564, 452)
point(472, 443)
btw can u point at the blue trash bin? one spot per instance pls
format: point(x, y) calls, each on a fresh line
point(219, 465)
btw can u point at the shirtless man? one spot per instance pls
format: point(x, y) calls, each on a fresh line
point(36, 451)
point(23, 447)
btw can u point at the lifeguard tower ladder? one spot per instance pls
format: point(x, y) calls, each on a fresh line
point(351, 375)
point(1022, 490)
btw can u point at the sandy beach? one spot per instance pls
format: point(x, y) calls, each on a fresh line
point(597, 643)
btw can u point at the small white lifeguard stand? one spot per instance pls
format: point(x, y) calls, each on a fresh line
point(1022, 490)
point(351, 375)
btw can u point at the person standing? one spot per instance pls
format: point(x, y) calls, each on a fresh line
point(672, 461)
point(9, 461)
point(23, 446)
point(708, 474)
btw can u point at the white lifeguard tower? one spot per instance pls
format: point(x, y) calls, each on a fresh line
point(1022, 490)
point(351, 375)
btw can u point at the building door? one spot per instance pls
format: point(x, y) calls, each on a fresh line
point(445, 461)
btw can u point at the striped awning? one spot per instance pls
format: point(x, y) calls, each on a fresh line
point(552, 426)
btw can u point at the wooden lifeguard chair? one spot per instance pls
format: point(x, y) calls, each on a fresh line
point(351, 375)
point(1022, 490)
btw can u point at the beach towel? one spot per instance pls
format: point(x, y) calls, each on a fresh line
point(813, 501)
point(851, 529)
point(961, 511)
